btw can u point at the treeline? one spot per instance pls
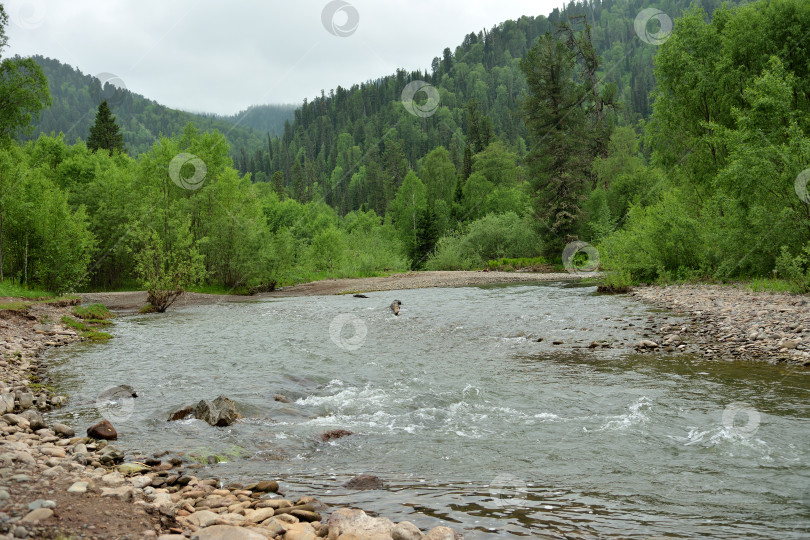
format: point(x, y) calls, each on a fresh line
point(321, 154)
point(143, 121)
point(719, 189)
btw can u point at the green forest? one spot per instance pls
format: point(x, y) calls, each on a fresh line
point(679, 154)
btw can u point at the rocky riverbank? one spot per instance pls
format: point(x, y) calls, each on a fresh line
point(59, 485)
point(732, 323)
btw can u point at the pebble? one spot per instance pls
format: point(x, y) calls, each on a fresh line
point(41, 503)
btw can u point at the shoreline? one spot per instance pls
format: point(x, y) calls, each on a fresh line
point(131, 301)
point(39, 464)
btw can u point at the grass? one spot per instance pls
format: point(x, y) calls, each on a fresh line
point(775, 286)
point(93, 312)
point(87, 331)
point(9, 288)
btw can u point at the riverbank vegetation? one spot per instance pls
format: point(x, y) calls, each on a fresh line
point(683, 159)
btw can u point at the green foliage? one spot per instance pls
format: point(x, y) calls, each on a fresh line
point(504, 264)
point(795, 270)
point(15, 290)
point(492, 237)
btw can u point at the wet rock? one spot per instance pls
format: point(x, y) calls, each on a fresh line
point(646, 344)
point(63, 430)
point(282, 399)
point(103, 430)
point(180, 414)
point(395, 306)
point(265, 486)
point(365, 481)
point(305, 515)
point(219, 412)
point(352, 521)
point(405, 530)
point(118, 392)
point(335, 434)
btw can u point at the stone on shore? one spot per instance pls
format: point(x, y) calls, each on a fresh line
point(102, 430)
point(78, 487)
point(35, 516)
point(405, 530)
point(219, 412)
point(64, 431)
point(357, 522)
point(35, 420)
point(227, 532)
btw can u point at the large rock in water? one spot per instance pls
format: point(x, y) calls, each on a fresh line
point(102, 430)
point(365, 481)
point(219, 412)
point(118, 392)
point(350, 521)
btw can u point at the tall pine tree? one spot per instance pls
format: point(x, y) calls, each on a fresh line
point(105, 134)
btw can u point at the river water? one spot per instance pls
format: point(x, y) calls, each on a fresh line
point(469, 419)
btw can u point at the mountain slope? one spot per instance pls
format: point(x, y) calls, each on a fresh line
point(76, 97)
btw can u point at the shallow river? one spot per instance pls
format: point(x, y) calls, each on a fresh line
point(469, 419)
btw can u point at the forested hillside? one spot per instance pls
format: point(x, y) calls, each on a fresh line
point(76, 97)
point(675, 151)
point(337, 139)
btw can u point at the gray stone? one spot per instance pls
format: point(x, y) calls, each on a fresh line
point(365, 481)
point(6, 403)
point(41, 503)
point(20, 532)
point(118, 392)
point(219, 412)
point(203, 518)
point(35, 419)
point(63, 430)
point(26, 400)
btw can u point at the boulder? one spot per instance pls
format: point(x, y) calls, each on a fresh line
point(405, 530)
point(395, 306)
point(219, 412)
point(203, 518)
point(35, 516)
point(646, 344)
point(118, 392)
point(26, 400)
point(265, 486)
point(102, 430)
point(180, 414)
point(365, 481)
point(110, 455)
point(356, 522)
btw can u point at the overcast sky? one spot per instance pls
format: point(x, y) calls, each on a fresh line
point(219, 56)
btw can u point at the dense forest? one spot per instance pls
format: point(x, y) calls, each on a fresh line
point(75, 97)
point(679, 153)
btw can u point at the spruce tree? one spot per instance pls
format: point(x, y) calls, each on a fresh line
point(105, 133)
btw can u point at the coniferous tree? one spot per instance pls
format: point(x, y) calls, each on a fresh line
point(105, 134)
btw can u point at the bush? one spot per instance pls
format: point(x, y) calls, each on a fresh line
point(795, 270)
point(494, 236)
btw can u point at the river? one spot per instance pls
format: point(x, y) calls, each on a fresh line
point(468, 418)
